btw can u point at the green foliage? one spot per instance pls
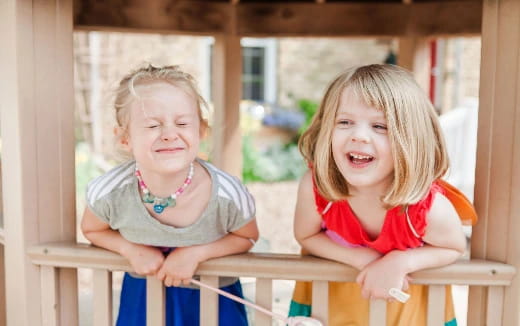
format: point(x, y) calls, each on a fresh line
point(309, 108)
point(278, 163)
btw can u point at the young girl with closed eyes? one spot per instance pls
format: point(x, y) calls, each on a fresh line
point(373, 197)
point(166, 210)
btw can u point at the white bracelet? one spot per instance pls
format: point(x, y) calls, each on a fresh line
point(399, 295)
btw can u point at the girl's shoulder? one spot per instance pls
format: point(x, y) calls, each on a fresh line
point(116, 178)
point(229, 187)
point(442, 200)
point(308, 189)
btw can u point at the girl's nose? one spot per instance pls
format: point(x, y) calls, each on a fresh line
point(360, 134)
point(168, 133)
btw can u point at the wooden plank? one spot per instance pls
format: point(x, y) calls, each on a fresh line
point(263, 265)
point(155, 302)
point(102, 297)
point(263, 298)
point(377, 313)
point(37, 92)
point(227, 93)
point(497, 182)
point(194, 17)
point(2, 241)
point(357, 19)
point(479, 239)
point(209, 302)
point(50, 296)
point(3, 320)
point(53, 56)
point(495, 305)
point(282, 18)
point(320, 301)
point(436, 305)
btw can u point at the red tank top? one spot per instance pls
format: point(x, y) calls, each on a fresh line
point(398, 231)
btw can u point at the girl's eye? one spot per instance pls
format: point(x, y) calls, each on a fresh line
point(182, 124)
point(345, 123)
point(153, 126)
point(380, 127)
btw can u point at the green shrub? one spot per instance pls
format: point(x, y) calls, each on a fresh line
point(308, 108)
point(278, 163)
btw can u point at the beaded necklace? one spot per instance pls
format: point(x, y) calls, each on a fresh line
point(159, 204)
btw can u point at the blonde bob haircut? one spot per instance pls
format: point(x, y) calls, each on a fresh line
point(126, 91)
point(418, 147)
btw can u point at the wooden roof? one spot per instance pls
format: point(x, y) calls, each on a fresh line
point(284, 18)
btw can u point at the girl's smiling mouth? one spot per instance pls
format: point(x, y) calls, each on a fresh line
point(169, 150)
point(359, 159)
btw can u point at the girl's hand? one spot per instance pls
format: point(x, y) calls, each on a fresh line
point(381, 275)
point(179, 266)
point(145, 260)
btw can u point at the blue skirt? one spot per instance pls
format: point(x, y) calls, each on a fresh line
point(182, 305)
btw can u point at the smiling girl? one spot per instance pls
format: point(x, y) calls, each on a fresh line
point(166, 210)
point(373, 197)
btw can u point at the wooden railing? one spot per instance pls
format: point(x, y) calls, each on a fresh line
point(265, 268)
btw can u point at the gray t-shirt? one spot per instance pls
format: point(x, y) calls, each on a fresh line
point(114, 198)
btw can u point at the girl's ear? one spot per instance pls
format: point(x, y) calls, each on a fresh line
point(203, 129)
point(122, 138)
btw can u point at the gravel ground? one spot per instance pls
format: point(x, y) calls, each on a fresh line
point(275, 204)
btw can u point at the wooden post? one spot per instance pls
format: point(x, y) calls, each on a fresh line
point(37, 117)
point(2, 256)
point(227, 93)
point(414, 55)
point(2, 286)
point(497, 182)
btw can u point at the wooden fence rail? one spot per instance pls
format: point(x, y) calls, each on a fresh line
point(265, 268)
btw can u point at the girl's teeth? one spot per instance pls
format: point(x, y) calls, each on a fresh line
point(360, 157)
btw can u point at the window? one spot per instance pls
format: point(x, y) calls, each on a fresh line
point(258, 69)
point(253, 73)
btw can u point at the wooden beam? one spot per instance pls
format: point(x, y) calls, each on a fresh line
point(227, 93)
point(37, 150)
point(457, 17)
point(360, 19)
point(193, 17)
point(414, 55)
point(2, 286)
point(265, 265)
point(497, 182)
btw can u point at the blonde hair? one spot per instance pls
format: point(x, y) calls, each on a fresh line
point(418, 148)
point(126, 93)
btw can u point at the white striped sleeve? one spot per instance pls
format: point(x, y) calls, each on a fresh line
point(231, 188)
point(103, 185)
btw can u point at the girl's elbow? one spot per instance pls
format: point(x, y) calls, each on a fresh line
point(255, 236)
point(302, 240)
point(88, 235)
point(461, 246)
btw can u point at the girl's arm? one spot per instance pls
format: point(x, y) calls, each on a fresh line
point(444, 243)
point(308, 232)
point(145, 260)
point(181, 263)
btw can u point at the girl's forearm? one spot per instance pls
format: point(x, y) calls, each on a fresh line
point(228, 245)
point(111, 240)
point(321, 245)
point(416, 259)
